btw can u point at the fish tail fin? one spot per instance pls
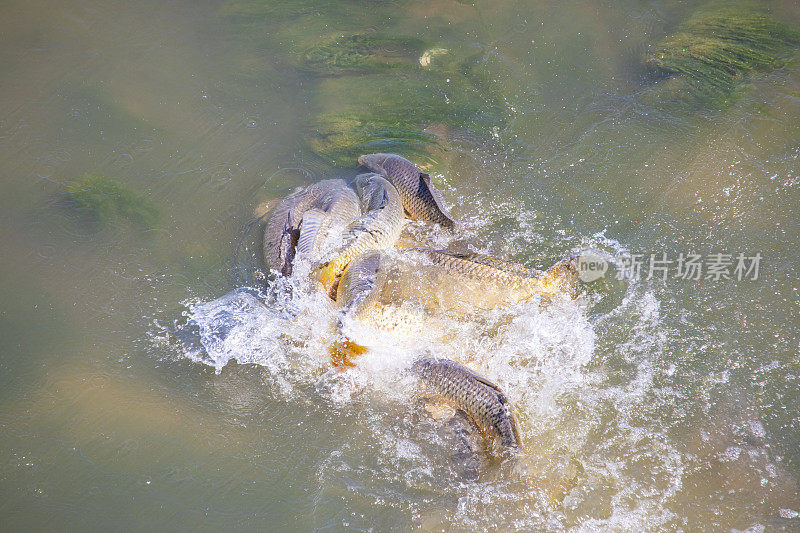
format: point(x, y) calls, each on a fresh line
point(561, 277)
point(326, 274)
point(343, 353)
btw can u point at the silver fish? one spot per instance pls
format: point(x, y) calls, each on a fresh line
point(421, 200)
point(282, 230)
point(377, 229)
point(361, 283)
point(480, 399)
point(335, 209)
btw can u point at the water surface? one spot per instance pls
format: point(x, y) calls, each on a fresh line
point(137, 391)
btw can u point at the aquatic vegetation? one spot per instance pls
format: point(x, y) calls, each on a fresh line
point(362, 52)
point(341, 138)
point(395, 111)
point(375, 113)
point(719, 47)
point(374, 85)
point(105, 200)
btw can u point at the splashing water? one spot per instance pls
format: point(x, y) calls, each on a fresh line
point(545, 359)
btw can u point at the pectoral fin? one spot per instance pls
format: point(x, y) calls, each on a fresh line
point(312, 223)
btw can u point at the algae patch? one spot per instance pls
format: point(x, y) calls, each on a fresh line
point(397, 111)
point(374, 83)
point(718, 48)
point(362, 52)
point(105, 201)
point(341, 138)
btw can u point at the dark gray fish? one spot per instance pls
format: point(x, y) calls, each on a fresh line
point(480, 399)
point(421, 200)
point(282, 230)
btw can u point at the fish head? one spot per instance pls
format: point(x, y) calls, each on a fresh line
point(361, 281)
point(374, 162)
point(372, 191)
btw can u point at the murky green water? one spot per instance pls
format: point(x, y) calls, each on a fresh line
point(644, 405)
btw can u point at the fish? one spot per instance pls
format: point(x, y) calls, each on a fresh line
point(377, 229)
point(493, 280)
point(282, 230)
point(361, 283)
point(421, 199)
point(334, 210)
point(482, 401)
point(358, 296)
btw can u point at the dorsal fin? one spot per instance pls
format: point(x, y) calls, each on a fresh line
point(490, 384)
point(503, 265)
point(500, 264)
point(286, 246)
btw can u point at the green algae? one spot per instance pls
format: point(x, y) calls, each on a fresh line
point(368, 81)
point(341, 138)
point(718, 48)
point(105, 201)
point(363, 52)
point(376, 113)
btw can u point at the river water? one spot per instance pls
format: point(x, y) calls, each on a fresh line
point(152, 376)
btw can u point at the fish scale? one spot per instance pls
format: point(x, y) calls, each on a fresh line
point(421, 199)
point(562, 277)
point(334, 210)
point(282, 228)
point(361, 283)
point(378, 229)
point(480, 399)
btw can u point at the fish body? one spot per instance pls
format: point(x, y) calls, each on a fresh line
point(480, 399)
point(377, 229)
point(282, 230)
point(361, 283)
point(357, 295)
point(463, 280)
point(331, 212)
point(421, 200)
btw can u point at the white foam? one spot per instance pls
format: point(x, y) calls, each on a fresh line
point(545, 359)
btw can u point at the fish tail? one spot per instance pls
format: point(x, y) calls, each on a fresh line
point(561, 277)
point(326, 274)
point(343, 352)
